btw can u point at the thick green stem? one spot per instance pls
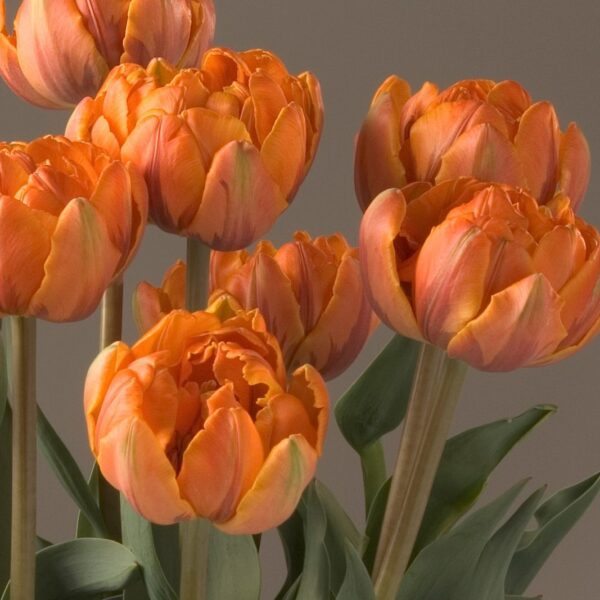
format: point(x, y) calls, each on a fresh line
point(435, 393)
point(194, 535)
point(372, 461)
point(22, 376)
point(111, 330)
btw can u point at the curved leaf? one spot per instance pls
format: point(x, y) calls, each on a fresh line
point(291, 534)
point(84, 527)
point(5, 494)
point(374, 523)
point(357, 583)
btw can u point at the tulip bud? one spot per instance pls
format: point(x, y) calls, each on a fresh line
point(71, 220)
point(483, 271)
point(223, 149)
point(197, 419)
point(62, 50)
point(476, 128)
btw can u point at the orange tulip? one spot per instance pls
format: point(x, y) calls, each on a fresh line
point(476, 128)
point(483, 271)
point(71, 220)
point(223, 149)
point(197, 420)
point(62, 50)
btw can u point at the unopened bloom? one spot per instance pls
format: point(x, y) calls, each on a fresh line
point(62, 50)
point(71, 220)
point(483, 271)
point(475, 128)
point(223, 148)
point(197, 419)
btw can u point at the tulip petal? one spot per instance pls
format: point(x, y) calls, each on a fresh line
point(537, 143)
point(269, 100)
point(132, 460)
point(379, 228)
point(81, 252)
point(241, 201)
point(202, 32)
point(521, 325)
point(284, 150)
point(377, 164)
point(511, 98)
point(484, 153)
point(221, 464)
point(279, 485)
point(574, 167)
point(25, 235)
point(156, 28)
point(56, 52)
point(415, 106)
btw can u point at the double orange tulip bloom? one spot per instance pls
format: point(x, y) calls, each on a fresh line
point(197, 419)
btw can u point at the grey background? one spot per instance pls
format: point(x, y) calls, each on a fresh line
point(551, 47)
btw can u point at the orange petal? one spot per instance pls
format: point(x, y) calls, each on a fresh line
point(415, 106)
point(269, 100)
point(241, 202)
point(537, 143)
point(284, 150)
point(25, 238)
point(574, 165)
point(510, 97)
point(377, 164)
point(133, 461)
point(279, 485)
point(57, 53)
point(202, 34)
point(379, 228)
point(521, 325)
point(221, 464)
point(82, 252)
point(484, 153)
point(146, 306)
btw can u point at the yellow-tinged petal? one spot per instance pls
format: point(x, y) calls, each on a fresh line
point(221, 463)
point(380, 226)
point(279, 485)
point(521, 325)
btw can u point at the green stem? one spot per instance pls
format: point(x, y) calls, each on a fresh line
point(22, 376)
point(111, 330)
point(435, 393)
point(372, 461)
point(194, 535)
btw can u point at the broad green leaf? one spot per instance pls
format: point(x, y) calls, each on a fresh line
point(41, 543)
point(490, 573)
point(340, 529)
point(468, 460)
point(5, 494)
point(314, 583)
point(233, 567)
point(166, 543)
point(374, 523)
point(377, 401)
point(292, 592)
point(84, 527)
point(3, 379)
point(291, 534)
point(555, 519)
point(69, 474)
point(138, 536)
point(82, 569)
point(522, 598)
point(357, 583)
point(453, 556)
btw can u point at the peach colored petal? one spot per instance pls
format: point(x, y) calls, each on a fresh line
point(203, 31)
point(268, 99)
point(241, 201)
point(221, 464)
point(380, 226)
point(147, 309)
point(132, 460)
point(398, 90)
point(511, 98)
point(521, 325)
point(279, 485)
point(314, 112)
point(82, 252)
point(574, 165)
point(415, 106)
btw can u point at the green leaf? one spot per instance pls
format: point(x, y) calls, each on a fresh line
point(468, 460)
point(357, 583)
point(66, 469)
point(376, 403)
point(374, 523)
point(453, 556)
point(233, 567)
point(41, 543)
point(84, 527)
point(340, 529)
point(314, 583)
point(522, 598)
point(291, 534)
point(166, 543)
point(488, 580)
point(5, 494)
point(555, 519)
point(3, 379)
point(82, 568)
point(138, 536)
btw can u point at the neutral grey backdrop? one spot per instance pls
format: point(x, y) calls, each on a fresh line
point(552, 47)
